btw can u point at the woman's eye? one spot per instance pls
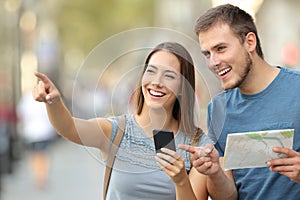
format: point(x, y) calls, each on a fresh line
point(170, 76)
point(150, 71)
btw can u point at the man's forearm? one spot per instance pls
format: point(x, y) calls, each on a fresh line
point(220, 186)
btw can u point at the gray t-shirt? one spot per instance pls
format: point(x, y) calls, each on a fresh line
point(135, 173)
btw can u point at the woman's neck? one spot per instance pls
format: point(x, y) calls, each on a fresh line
point(156, 119)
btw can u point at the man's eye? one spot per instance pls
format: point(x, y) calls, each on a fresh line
point(221, 48)
point(206, 54)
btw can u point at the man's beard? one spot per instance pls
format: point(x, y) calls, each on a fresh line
point(246, 69)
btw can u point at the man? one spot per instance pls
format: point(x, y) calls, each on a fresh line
point(256, 97)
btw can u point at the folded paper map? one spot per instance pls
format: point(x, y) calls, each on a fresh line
point(254, 149)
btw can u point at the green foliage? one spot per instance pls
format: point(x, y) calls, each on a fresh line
point(84, 24)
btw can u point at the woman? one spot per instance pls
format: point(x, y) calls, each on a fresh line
point(164, 100)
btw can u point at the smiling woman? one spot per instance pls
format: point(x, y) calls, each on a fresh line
point(174, 58)
point(160, 83)
point(165, 98)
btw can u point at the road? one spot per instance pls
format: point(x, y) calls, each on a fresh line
point(75, 173)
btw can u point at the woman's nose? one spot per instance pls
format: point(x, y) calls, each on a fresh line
point(157, 80)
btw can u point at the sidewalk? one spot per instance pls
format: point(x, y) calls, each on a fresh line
point(74, 174)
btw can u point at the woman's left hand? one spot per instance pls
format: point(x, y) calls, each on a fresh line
point(172, 164)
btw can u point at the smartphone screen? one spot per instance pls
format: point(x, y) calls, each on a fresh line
point(163, 138)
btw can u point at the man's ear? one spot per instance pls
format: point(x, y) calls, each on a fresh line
point(250, 42)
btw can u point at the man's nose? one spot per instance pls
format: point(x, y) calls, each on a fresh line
point(214, 60)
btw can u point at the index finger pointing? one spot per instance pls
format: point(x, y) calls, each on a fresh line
point(42, 77)
point(187, 148)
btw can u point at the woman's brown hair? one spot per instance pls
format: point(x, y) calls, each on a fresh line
point(183, 109)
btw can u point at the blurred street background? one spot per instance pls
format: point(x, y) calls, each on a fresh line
point(56, 37)
point(74, 174)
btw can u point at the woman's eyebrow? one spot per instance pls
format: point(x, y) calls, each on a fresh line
point(166, 71)
point(153, 66)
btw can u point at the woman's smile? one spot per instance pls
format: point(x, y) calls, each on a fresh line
point(156, 93)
